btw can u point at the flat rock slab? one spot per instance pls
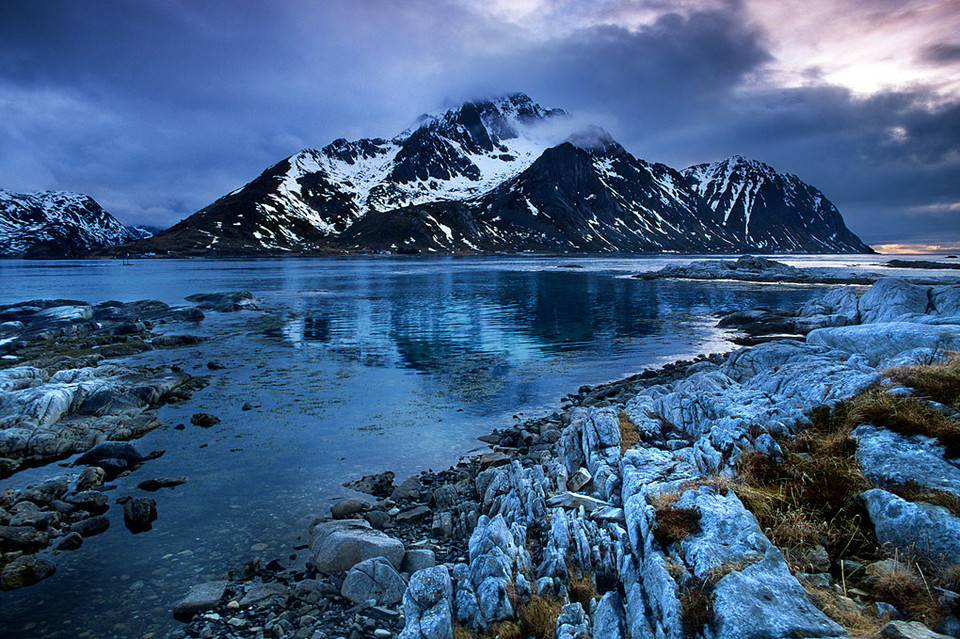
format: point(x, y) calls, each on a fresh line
point(908, 630)
point(890, 458)
point(202, 597)
point(263, 592)
point(340, 545)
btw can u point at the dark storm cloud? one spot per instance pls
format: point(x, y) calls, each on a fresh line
point(156, 108)
point(942, 53)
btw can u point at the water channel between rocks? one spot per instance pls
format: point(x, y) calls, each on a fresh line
point(355, 366)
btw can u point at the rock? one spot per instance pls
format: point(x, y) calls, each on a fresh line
point(413, 515)
point(339, 545)
point(202, 597)
point(70, 541)
point(579, 479)
point(609, 620)
point(572, 622)
point(215, 365)
point(22, 538)
point(576, 500)
point(90, 477)
point(92, 526)
point(177, 340)
point(139, 514)
point(417, 559)
point(347, 508)
point(25, 571)
point(378, 519)
point(891, 298)
point(427, 605)
point(765, 600)
point(932, 531)
point(262, 592)
point(29, 514)
point(152, 485)
point(247, 406)
point(377, 485)
point(90, 500)
point(890, 458)
point(204, 420)
point(492, 460)
point(880, 343)
point(442, 525)
point(226, 302)
point(908, 630)
point(374, 579)
point(409, 489)
point(110, 450)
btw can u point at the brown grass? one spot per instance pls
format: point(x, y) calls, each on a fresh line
point(629, 433)
point(939, 382)
point(696, 608)
point(582, 588)
point(538, 617)
point(845, 612)
point(905, 415)
point(905, 586)
point(675, 524)
point(505, 630)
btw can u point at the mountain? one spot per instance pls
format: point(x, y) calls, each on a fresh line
point(56, 224)
point(771, 211)
point(497, 175)
point(143, 231)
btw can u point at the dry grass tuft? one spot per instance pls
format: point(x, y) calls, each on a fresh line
point(629, 433)
point(904, 585)
point(696, 608)
point(582, 588)
point(905, 415)
point(538, 617)
point(675, 524)
point(939, 382)
point(845, 612)
point(505, 630)
point(462, 632)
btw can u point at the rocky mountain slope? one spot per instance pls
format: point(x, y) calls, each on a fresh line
point(770, 210)
point(56, 224)
point(497, 175)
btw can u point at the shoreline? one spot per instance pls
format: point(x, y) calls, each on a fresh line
point(248, 601)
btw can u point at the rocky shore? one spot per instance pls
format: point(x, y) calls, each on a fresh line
point(750, 268)
point(64, 389)
point(800, 487)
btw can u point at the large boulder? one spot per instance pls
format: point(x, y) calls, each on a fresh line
point(427, 605)
point(932, 531)
point(881, 343)
point(765, 601)
point(376, 579)
point(890, 298)
point(340, 545)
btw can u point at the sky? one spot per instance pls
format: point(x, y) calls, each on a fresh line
point(158, 107)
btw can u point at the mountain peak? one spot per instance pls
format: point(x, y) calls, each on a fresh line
point(593, 139)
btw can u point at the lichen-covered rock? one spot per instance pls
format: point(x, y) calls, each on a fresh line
point(932, 531)
point(25, 571)
point(609, 617)
point(880, 343)
point(376, 579)
point(764, 601)
point(427, 605)
point(891, 298)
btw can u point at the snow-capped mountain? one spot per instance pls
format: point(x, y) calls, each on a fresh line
point(495, 175)
point(771, 211)
point(56, 224)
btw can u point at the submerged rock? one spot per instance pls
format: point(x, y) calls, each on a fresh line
point(139, 514)
point(25, 571)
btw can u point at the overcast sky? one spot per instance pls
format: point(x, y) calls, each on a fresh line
point(158, 107)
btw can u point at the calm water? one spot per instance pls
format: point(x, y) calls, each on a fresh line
point(358, 366)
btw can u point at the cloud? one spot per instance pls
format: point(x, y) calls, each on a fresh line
point(157, 108)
